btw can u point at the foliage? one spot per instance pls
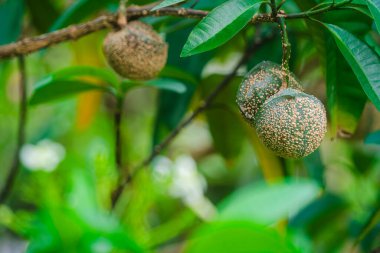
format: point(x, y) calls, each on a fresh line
point(214, 188)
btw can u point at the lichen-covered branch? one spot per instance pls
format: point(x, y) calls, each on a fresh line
point(32, 44)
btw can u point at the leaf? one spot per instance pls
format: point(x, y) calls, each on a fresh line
point(342, 88)
point(223, 117)
point(65, 82)
point(327, 216)
point(43, 13)
point(220, 25)
point(104, 75)
point(57, 89)
point(374, 7)
point(78, 11)
point(237, 236)
point(166, 3)
point(360, 8)
point(363, 61)
point(373, 138)
point(176, 73)
point(168, 116)
point(268, 203)
point(168, 84)
point(11, 13)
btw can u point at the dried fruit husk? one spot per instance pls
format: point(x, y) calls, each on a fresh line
point(136, 52)
point(291, 123)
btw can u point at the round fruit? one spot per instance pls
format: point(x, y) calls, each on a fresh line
point(136, 52)
point(262, 82)
point(291, 123)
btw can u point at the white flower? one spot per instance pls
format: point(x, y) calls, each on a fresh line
point(186, 183)
point(45, 155)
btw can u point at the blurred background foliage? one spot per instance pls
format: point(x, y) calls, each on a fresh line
point(216, 188)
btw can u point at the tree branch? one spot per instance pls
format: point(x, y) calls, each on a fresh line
point(9, 182)
point(29, 45)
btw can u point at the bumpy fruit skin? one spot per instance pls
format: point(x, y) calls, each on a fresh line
point(262, 82)
point(291, 123)
point(136, 52)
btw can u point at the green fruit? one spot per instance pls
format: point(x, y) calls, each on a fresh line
point(262, 82)
point(291, 123)
point(136, 52)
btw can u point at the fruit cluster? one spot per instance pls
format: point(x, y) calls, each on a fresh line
point(288, 121)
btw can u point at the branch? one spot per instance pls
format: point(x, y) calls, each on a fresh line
point(307, 14)
point(118, 138)
point(29, 45)
point(9, 182)
point(206, 103)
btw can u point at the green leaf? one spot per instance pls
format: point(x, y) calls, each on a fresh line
point(106, 76)
point(72, 80)
point(268, 203)
point(79, 10)
point(160, 83)
point(223, 117)
point(363, 61)
point(51, 90)
point(168, 116)
point(11, 13)
point(373, 138)
point(342, 88)
point(177, 73)
point(220, 25)
point(168, 84)
point(43, 13)
point(237, 236)
point(374, 7)
point(326, 218)
point(167, 3)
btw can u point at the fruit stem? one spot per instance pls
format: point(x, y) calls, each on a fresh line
point(274, 8)
point(122, 17)
point(286, 51)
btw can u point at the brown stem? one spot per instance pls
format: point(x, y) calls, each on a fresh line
point(29, 45)
point(9, 182)
point(118, 138)
point(122, 18)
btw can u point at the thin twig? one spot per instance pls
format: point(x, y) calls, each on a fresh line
point(123, 173)
point(206, 103)
point(118, 139)
point(9, 182)
point(279, 6)
point(29, 45)
point(307, 14)
point(157, 149)
point(369, 223)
